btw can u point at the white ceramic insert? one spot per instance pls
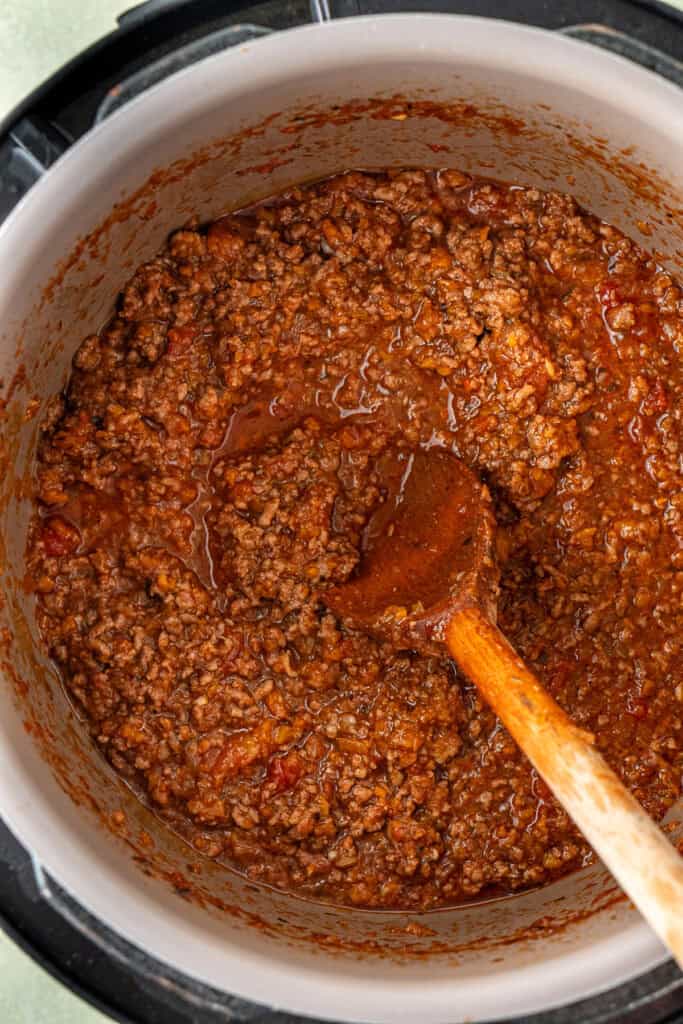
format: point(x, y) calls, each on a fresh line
point(525, 105)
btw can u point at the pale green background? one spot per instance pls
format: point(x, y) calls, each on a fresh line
point(28, 995)
point(36, 37)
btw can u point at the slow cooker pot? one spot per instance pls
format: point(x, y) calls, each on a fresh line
point(489, 97)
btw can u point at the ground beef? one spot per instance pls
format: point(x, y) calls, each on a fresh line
point(211, 467)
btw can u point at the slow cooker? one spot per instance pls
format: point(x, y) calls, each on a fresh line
point(198, 109)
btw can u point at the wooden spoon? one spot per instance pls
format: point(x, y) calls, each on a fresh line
point(427, 578)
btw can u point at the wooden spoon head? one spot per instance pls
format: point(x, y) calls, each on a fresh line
point(428, 553)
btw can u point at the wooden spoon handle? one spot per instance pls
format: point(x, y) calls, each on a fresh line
point(634, 849)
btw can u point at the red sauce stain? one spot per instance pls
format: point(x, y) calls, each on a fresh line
point(18, 381)
point(399, 108)
point(266, 168)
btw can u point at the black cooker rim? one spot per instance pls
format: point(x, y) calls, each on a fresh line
point(158, 22)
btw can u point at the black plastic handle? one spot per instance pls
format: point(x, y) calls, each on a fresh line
point(145, 12)
point(29, 148)
point(627, 46)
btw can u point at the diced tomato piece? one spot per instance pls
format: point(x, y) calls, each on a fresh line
point(286, 771)
point(59, 537)
point(656, 401)
point(637, 707)
point(179, 340)
point(609, 294)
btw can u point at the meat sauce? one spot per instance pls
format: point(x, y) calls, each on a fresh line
point(211, 467)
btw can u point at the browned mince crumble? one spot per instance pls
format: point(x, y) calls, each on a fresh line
point(209, 471)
